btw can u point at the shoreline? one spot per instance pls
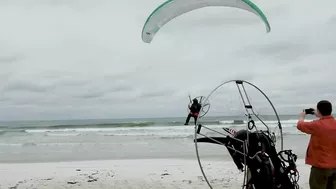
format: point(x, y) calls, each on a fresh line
point(162, 173)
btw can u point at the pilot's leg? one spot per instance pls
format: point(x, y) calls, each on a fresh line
point(195, 118)
point(187, 120)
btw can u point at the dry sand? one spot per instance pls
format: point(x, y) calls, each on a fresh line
point(126, 174)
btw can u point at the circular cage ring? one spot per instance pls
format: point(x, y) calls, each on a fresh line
point(242, 92)
point(205, 103)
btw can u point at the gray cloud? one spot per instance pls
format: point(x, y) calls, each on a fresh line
point(154, 94)
point(19, 86)
point(85, 59)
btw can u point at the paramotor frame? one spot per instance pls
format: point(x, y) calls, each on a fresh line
point(249, 126)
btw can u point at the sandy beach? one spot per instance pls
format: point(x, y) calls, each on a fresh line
point(124, 174)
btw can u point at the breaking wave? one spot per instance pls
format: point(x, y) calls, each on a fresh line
point(134, 128)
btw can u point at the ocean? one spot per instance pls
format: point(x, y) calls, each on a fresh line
point(76, 140)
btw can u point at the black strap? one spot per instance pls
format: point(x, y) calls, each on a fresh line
point(290, 169)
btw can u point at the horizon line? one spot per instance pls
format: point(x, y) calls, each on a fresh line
point(131, 118)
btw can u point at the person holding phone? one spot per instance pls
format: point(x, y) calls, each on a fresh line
point(321, 151)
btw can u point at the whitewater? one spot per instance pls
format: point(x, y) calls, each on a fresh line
point(167, 127)
point(36, 141)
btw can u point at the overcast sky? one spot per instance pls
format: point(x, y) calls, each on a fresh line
point(71, 59)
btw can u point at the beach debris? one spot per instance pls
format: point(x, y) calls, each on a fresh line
point(110, 174)
point(72, 182)
point(226, 185)
point(92, 179)
point(189, 181)
point(48, 179)
point(221, 180)
point(165, 173)
point(200, 178)
point(78, 169)
point(17, 184)
point(14, 187)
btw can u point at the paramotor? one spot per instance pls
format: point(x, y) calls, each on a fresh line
point(253, 148)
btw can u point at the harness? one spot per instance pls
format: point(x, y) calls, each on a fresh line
point(194, 114)
point(277, 170)
point(288, 166)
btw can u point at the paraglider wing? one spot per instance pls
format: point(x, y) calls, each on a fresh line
point(174, 8)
